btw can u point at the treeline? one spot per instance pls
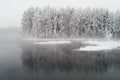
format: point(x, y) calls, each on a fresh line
point(71, 23)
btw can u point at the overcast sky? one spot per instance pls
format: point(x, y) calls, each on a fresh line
point(11, 10)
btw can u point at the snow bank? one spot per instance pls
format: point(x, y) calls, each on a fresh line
point(53, 42)
point(99, 45)
point(31, 39)
point(53, 39)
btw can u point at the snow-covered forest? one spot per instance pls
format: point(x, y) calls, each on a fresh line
point(69, 22)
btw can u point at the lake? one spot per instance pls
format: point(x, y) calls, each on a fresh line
point(25, 60)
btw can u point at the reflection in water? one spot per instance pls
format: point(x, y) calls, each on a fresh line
point(50, 58)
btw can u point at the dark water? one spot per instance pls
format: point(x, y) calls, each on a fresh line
point(28, 61)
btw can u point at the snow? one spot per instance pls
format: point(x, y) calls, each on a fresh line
point(31, 39)
point(53, 42)
point(99, 45)
point(53, 39)
point(93, 45)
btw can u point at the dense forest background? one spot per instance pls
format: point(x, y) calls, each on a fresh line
point(69, 22)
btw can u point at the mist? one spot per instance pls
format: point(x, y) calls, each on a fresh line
point(59, 39)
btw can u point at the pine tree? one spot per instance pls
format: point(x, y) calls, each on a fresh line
point(27, 20)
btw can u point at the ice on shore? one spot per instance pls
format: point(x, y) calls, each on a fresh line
point(53, 42)
point(99, 45)
point(53, 39)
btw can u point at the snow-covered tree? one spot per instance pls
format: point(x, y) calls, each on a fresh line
point(69, 22)
point(116, 29)
point(27, 20)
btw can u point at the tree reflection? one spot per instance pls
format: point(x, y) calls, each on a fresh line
point(49, 58)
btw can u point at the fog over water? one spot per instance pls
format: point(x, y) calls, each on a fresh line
point(46, 59)
point(24, 57)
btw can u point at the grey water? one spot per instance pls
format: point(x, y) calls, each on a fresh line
point(23, 60)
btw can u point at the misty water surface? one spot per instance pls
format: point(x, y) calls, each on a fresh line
point(24, 60)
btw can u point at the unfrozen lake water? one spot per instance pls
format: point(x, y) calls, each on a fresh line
point(25, 60)
point(57, 60)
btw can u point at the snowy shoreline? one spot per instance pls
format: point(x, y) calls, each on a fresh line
point(53, 39)
point(99, 45)
point(92, 45)
point(53, 42)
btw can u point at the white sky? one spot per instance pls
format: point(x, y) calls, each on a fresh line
point(11, 10)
